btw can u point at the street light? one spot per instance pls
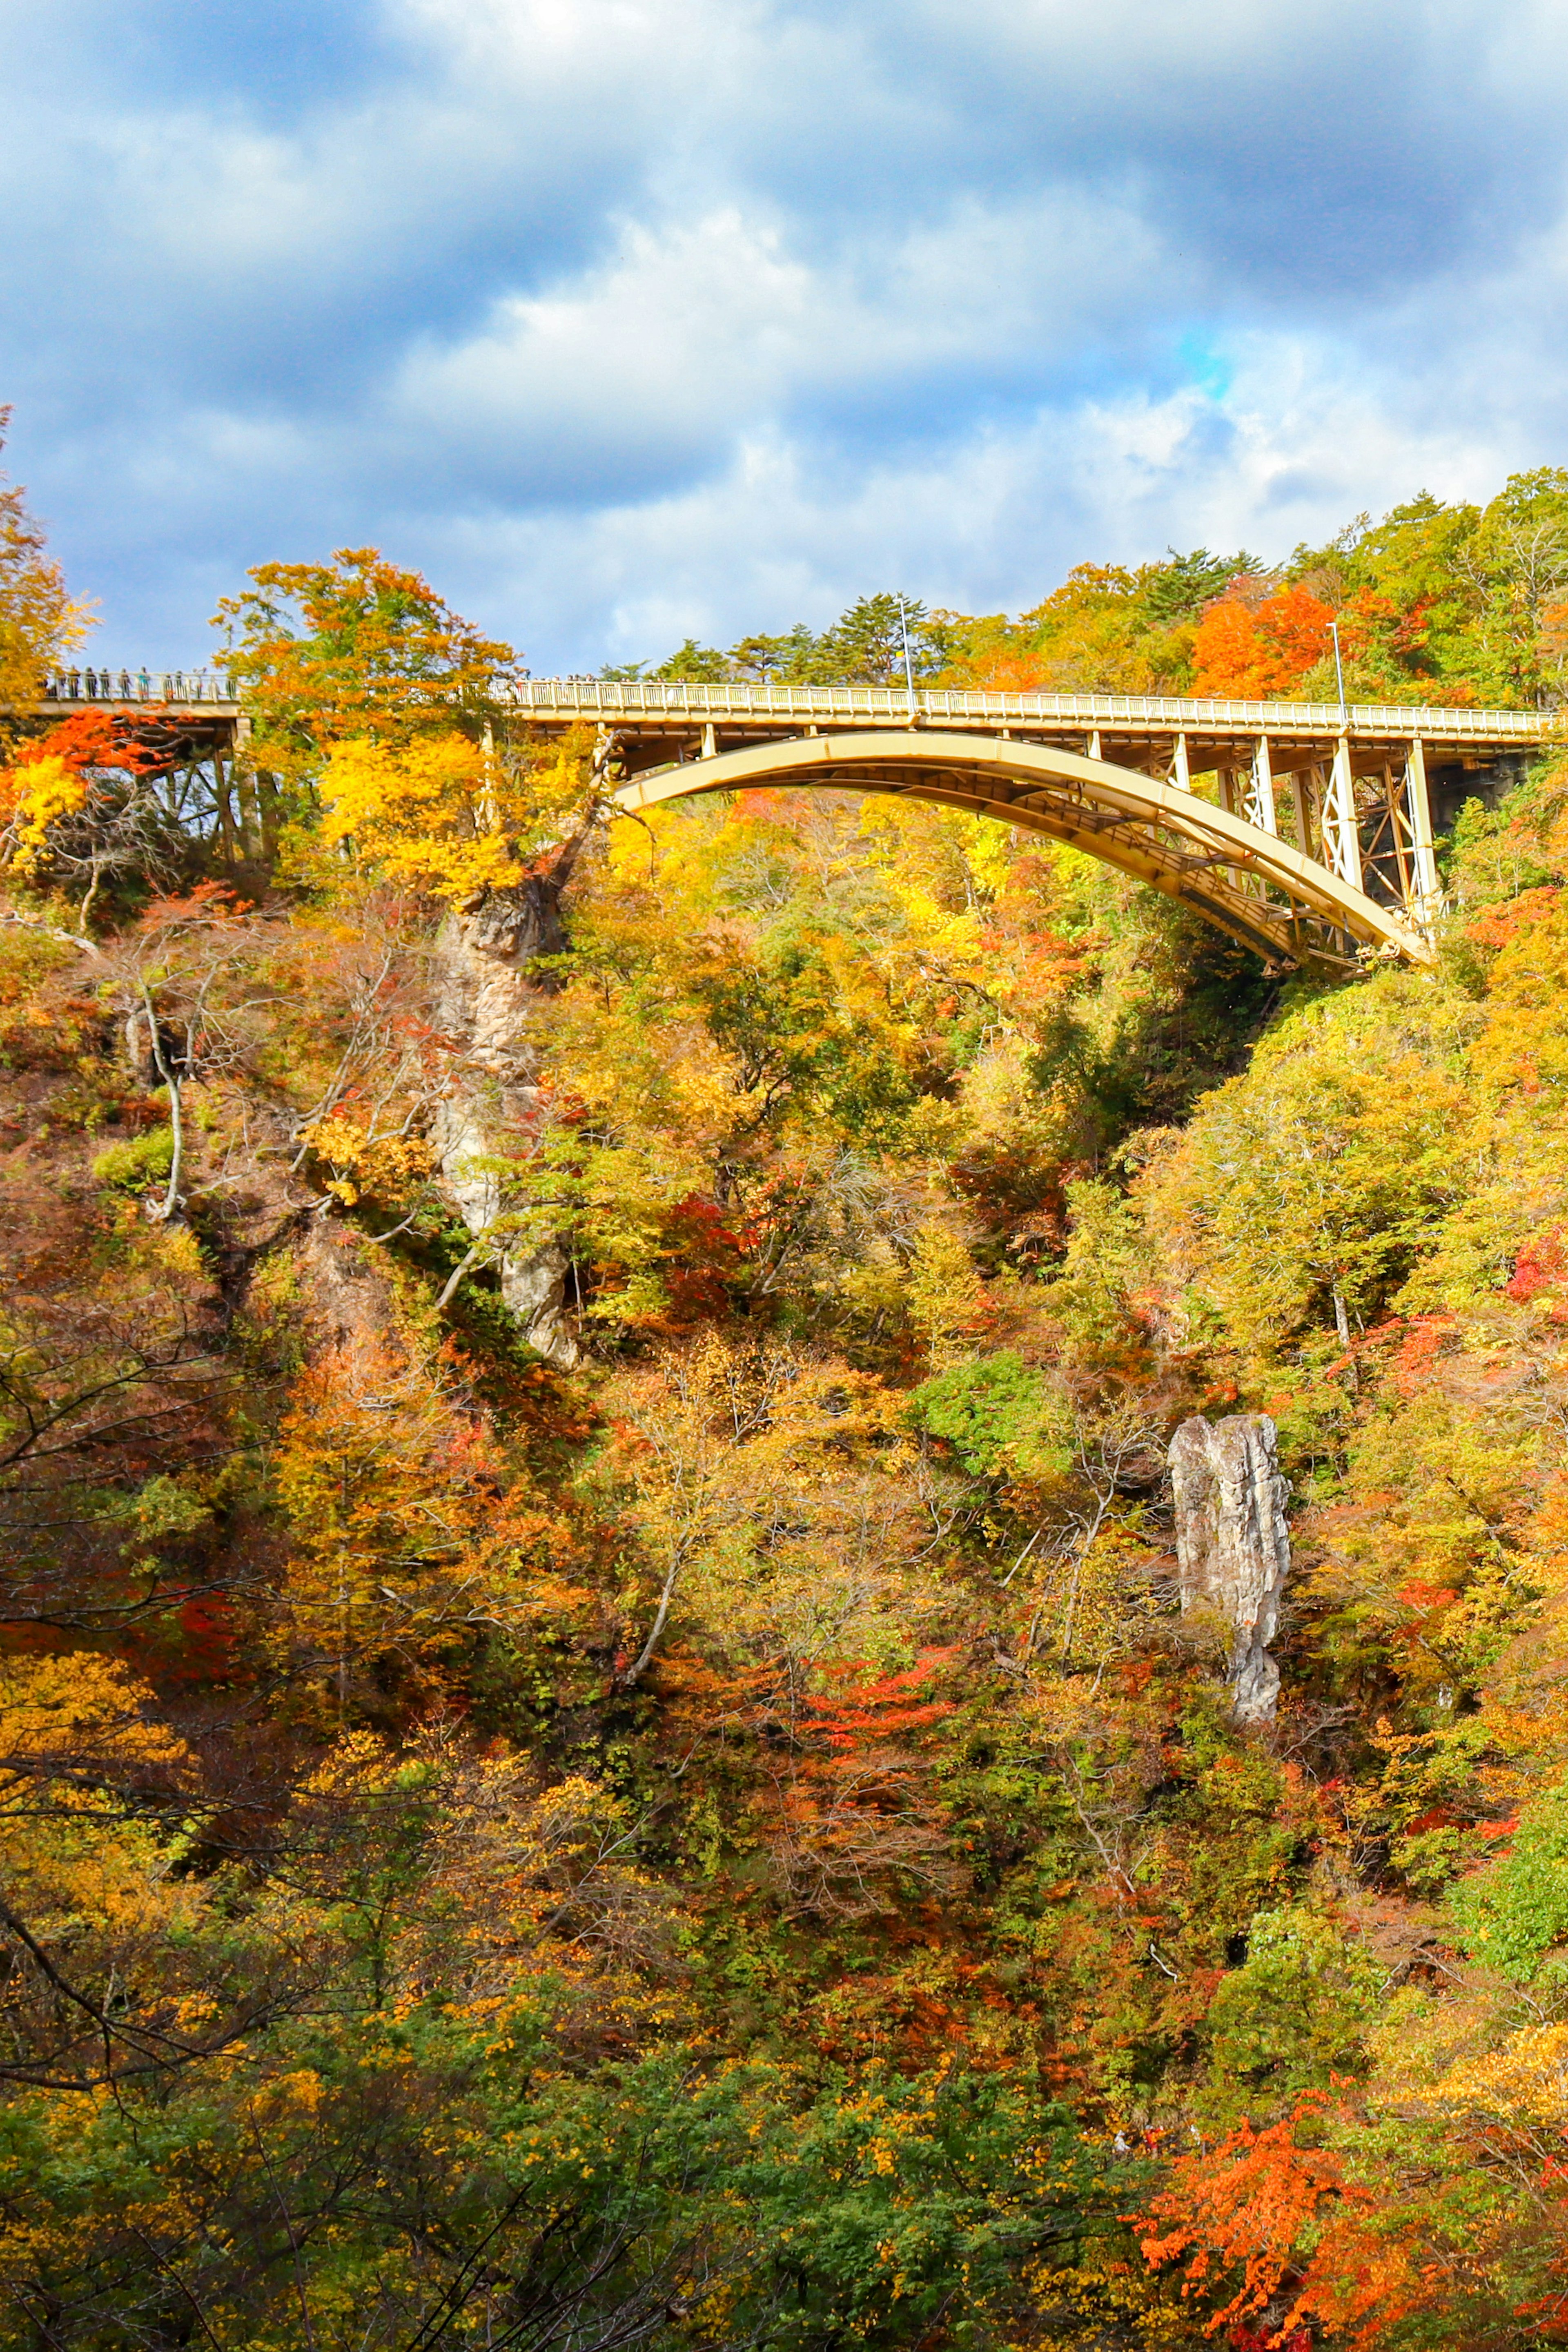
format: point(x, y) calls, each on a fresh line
point(908, 659)
point(1338, 669)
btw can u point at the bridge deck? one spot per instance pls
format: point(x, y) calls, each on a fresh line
point(772, 711)
point(660, 718)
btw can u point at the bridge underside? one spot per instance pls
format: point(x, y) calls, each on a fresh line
point(1261, 890)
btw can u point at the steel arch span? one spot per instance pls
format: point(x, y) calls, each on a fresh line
point(1264, 892)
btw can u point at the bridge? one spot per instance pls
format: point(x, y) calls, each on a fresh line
point(1305, 830)
point(1313, 841)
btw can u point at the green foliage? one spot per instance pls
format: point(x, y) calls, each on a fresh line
point(1293, 2016)
point(1001, 1417)
point(1515, 1910)
point(1307, 1188)
point(139, 1161)
point(898, 2205)
point(864, 646)
point(1436, 602)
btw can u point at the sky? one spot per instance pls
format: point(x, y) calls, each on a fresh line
point(627, 320)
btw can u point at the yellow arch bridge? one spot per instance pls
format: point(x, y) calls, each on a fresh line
point(1305, 830)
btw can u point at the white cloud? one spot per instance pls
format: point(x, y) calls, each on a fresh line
point(631, 318)
point(992, 521)
point(696, 336)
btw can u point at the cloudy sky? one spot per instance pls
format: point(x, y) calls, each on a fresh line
point(631, 318)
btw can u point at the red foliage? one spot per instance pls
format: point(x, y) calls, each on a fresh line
point(1413, 1362)
point(92, 740)
point(1500, 926)
point(705, 1253)
point(1542, 1264)
point(864, 1713)
point(1255, 650)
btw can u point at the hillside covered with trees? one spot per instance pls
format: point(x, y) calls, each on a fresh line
point(597, 1743)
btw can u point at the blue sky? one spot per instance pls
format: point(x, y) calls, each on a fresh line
point(627, 319)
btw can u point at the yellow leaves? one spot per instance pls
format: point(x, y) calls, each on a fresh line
point(427, 815)
point(1524, 2082)
point(442, 814)
point(762, 1487)
point(1524, 1046)
point(631, 848)
point(1468, 2064)
point(77, 1740)
point(34, 795)
point(287, 2099)
point(946, 1298)
point(362, 1163)
point(1322, 1172)
point(60, 1713)
point(408, 1541)
point(479, 1869)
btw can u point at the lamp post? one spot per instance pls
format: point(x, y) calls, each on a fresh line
point(1338, 669)
point(908, 659)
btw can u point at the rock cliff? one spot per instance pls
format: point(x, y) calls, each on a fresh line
point(1233, 1544)
point(484, 997)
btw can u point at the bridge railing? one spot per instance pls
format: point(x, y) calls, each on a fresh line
point(182, 686)
point(608, 700)
point(610, 697)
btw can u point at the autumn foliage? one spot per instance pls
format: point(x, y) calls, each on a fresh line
point(598, 1741)
point(1255, 646)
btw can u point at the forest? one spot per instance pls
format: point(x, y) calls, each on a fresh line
point(598, 1745)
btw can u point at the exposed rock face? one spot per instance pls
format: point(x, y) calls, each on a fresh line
point(1233, 1545)
point(484, 996)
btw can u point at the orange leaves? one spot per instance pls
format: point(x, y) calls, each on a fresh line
point(1256, 648)
point(1414, 1362)
point(91, 739)
point(1284, 2215)
point(851, 1813)
point(1006, 671)
point(859, 1707)
point(1500, 926)
point(58, 774)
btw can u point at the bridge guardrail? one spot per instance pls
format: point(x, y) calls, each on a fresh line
point(656, 698)
point(608, 700)
point(183, 686)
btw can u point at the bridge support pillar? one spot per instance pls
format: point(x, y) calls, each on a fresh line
point(1180, 772)
point(1260, 810)
point(1341, 836)
point(1426, 895)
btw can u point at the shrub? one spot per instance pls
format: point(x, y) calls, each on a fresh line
point(141, 1161)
